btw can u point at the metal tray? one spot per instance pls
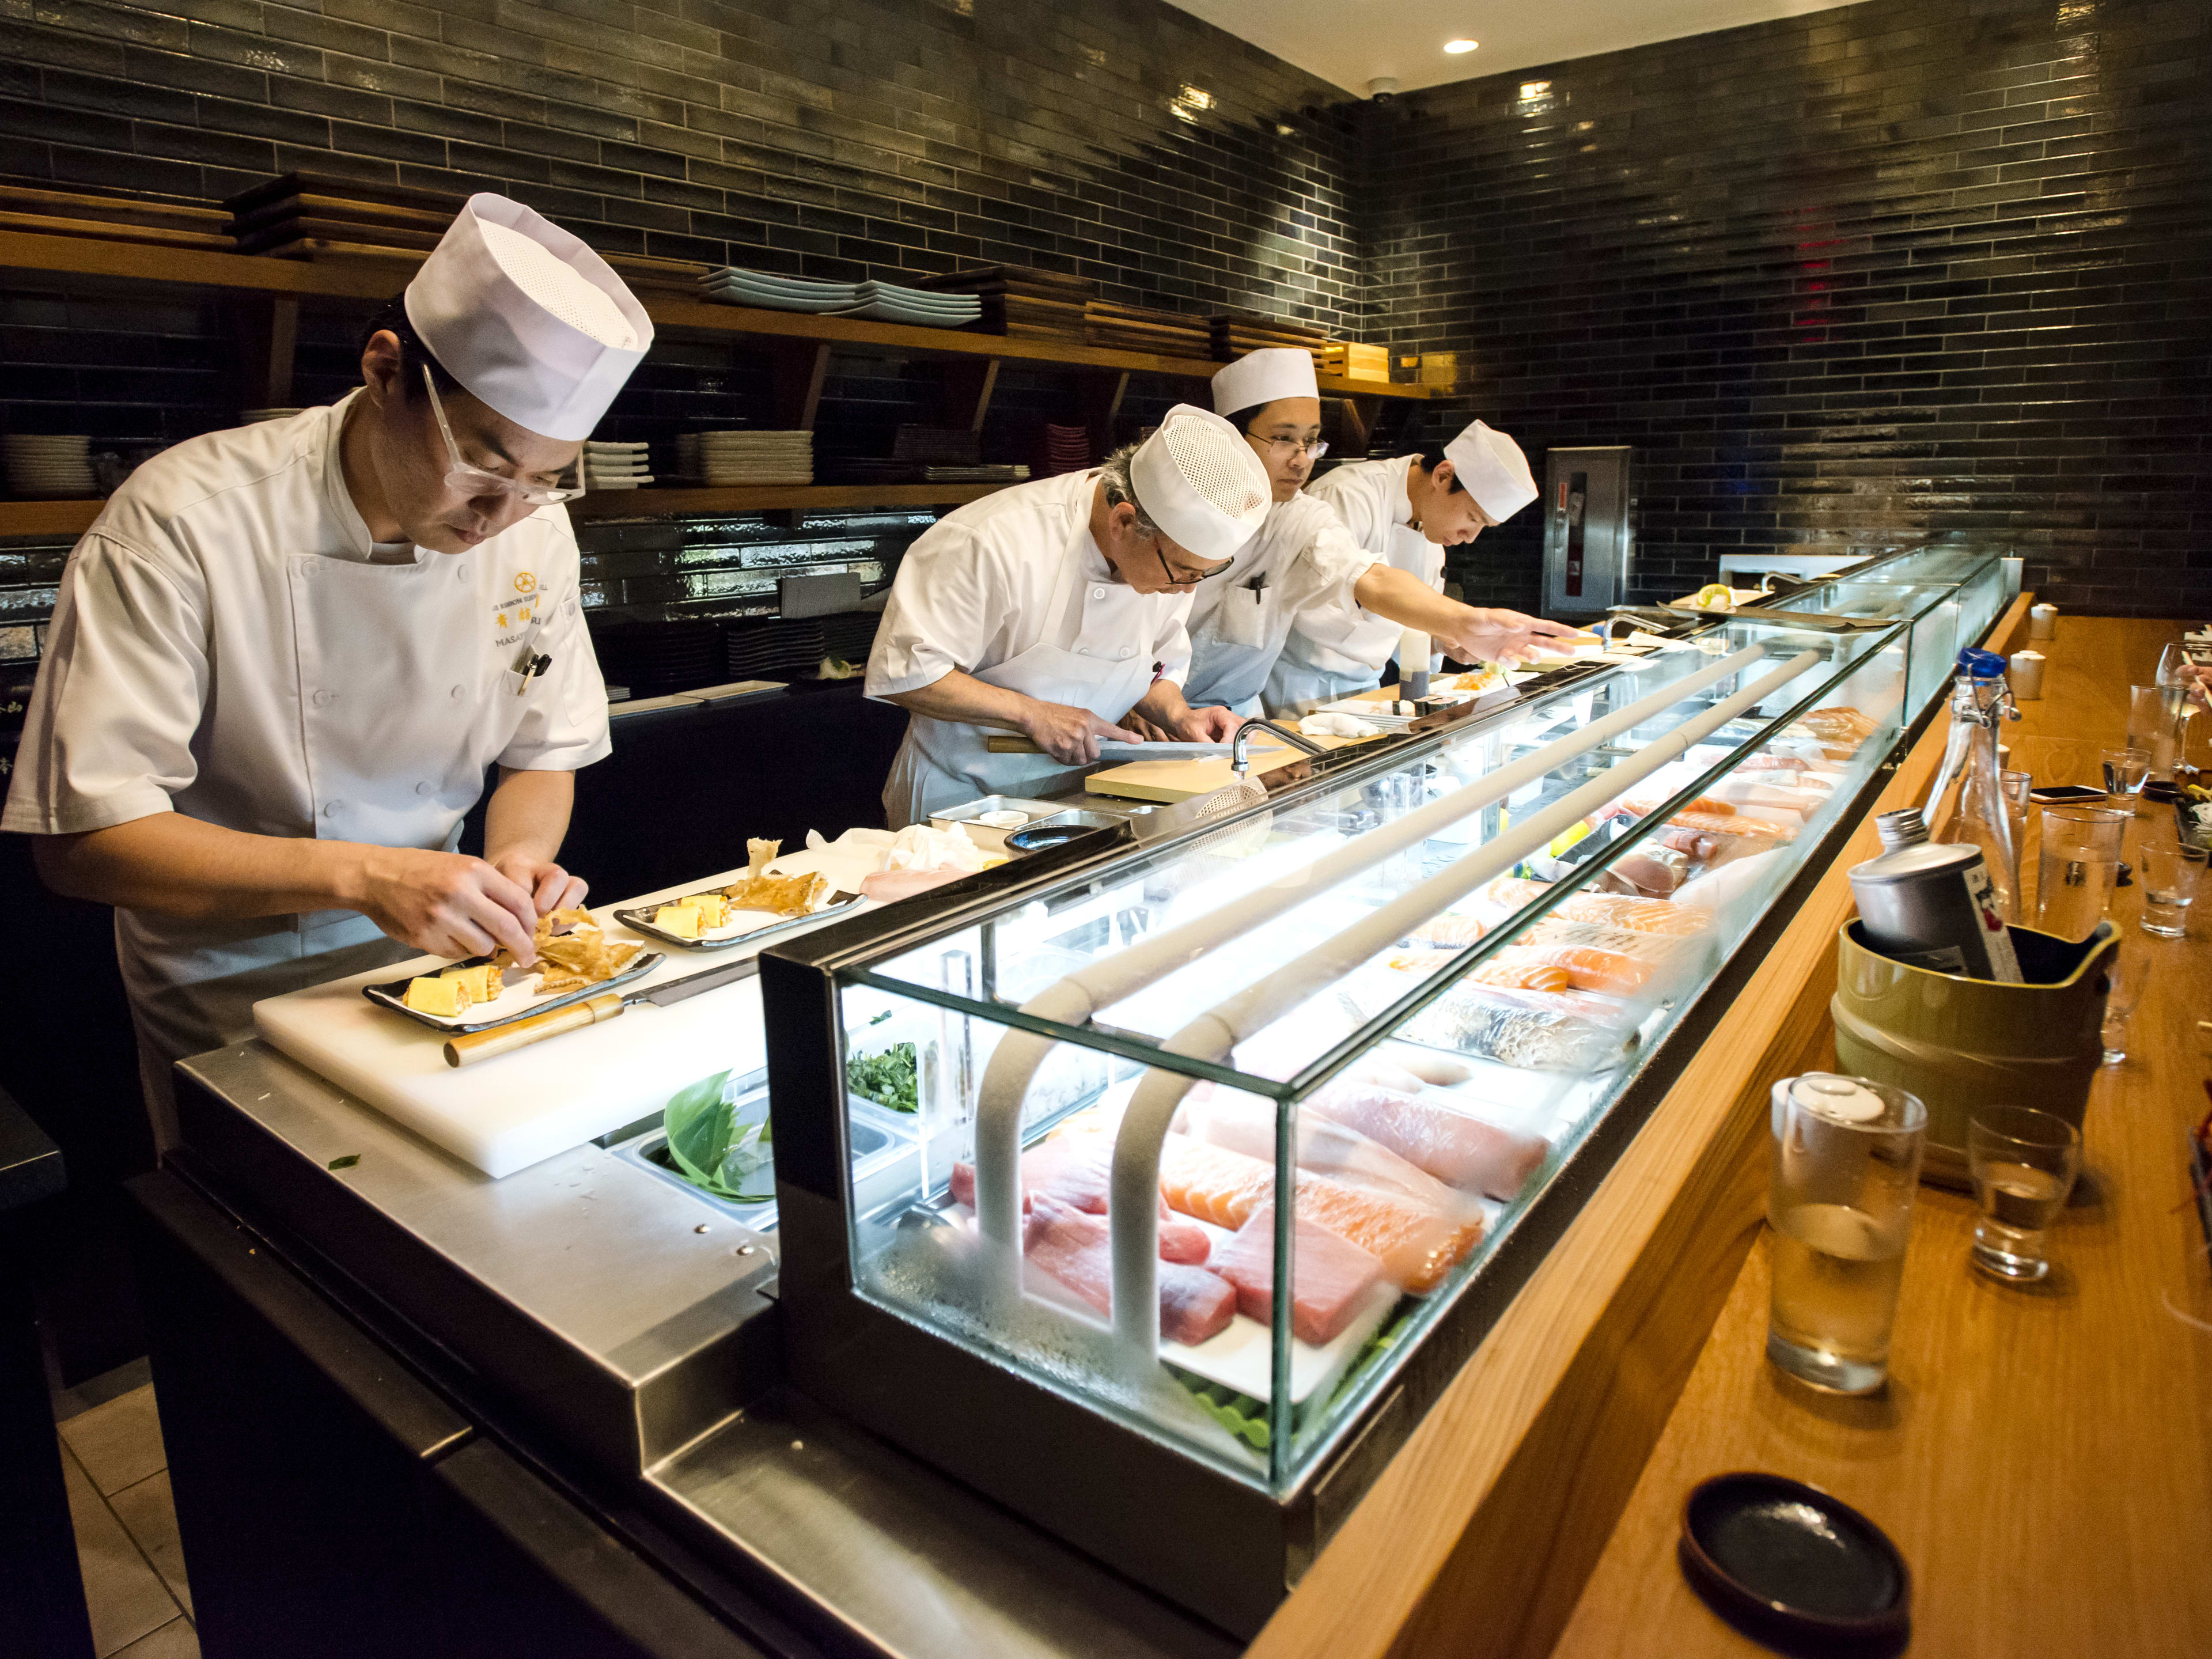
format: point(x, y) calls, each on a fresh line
point(962, 819)
point(391, 993)
point(638, 918)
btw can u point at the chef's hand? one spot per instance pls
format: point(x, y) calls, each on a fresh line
point(1211, 724)
point(1150, 731)
point(1488, 634)
point(1070, 735)
point(551, 887)
point(445, 903)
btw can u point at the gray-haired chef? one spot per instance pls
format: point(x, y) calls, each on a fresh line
point(284, 655)
point(1054, 608)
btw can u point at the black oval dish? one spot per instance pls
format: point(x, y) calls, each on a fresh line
point(1039, 836)
point(1792, 1567)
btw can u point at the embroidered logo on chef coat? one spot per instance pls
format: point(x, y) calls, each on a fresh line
point(511, 616)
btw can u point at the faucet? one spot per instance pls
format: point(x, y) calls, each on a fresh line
point(1240, 763)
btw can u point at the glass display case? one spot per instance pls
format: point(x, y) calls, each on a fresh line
point(1227, 1148)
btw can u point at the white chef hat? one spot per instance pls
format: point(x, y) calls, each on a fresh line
point(1492, 468)
point(1260, 377)
point(1198, 480)
point(527, 317)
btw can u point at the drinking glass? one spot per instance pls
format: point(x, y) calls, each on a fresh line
point(2078, 866)
point(2153, 711)
point(2170, 872)
point(1846, 1170)
point(2124, 984)
point(2023, 1162)
point(2013, 787)
point(2125, 770)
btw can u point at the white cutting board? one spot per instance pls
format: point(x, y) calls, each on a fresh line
point(506, 1113)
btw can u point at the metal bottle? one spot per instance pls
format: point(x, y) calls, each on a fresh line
point(1932, 905)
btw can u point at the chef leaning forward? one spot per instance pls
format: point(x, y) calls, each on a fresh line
point(1052, 608)
point(1406, 510)
point(1302, 566)
point(284, 655)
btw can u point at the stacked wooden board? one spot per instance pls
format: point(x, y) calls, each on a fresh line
point(1022, 302)
point(1234, 333)
point(1118, 327)
point(167, 223)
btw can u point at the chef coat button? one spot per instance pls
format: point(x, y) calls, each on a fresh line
point(456, 693)
point(1124, 651)
point(1082, 650)
point(1098, 593)
point(324, 699)
point(422, 788)
point(330, 809)
point(461, 572)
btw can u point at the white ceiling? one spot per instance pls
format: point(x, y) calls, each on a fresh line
point(1351, 42)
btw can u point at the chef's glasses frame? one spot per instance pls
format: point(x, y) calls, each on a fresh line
point(1282, 448)
point(1173, 581)
point(475, 480)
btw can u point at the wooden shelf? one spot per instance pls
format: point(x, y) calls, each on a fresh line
point(63, 518)
point(98, 262)
point(819, 498)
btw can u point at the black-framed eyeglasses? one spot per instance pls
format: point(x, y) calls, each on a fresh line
point(1173, 581)
point(1282, 449)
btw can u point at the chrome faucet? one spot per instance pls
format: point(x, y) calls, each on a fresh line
point(1240, 763)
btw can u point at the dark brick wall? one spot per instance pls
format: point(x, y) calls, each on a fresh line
point(1917, 265)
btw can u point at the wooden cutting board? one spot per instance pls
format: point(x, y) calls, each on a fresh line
point(1173, 780)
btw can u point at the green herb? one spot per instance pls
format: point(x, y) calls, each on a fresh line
point(891, 1078)
point(881, 1017)
point(713, 1149)
point(344, 1162)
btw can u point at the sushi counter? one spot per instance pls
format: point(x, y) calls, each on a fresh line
point(915, 1295)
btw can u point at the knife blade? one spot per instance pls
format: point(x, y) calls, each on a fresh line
point(1115, 749)
point(473, 1046)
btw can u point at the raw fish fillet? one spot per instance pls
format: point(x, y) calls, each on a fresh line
point(1518, 971)
point(1770, 763)
point(1331, 1278)
point(1604, 909)
point(1731, 823)
point(1417, 1246)
point(1586, 968)
point(1448, 931)
point(1450, 1145)
point(1075, 1248)
point(1657, 872)
point(1645, 805)
point(1245, 1124)
point(1074, 1169)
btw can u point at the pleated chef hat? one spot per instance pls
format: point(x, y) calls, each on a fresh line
point(1492, 469)
point(527, 317)
point(1260, 377)
point(1198, 480)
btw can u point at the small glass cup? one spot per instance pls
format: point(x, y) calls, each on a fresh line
point(2170, 871)
point(2023, 1162)
point(1846, 1171)
point(2153, 716)
point(2125, 770)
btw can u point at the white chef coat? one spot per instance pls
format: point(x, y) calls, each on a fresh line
point(224, 647)
point(1323, 659)
point(1301, 559)
point(1013, 590)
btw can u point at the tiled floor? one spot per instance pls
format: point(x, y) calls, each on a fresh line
point(126, 1529)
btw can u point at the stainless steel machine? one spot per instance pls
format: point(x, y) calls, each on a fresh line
point(1589, 530)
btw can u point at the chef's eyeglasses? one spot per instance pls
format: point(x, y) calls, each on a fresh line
point(475, 480)
point(1177, 580)
point(1282, 449)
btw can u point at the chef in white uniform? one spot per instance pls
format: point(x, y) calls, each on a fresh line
point(1406, 510)
point(1052, 608)
point(284, 656)
point(1302, 566)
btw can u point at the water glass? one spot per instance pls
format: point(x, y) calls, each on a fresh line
point(2154, 712)
point(2078, 866)
point(2023, 1163)
point(2125, 770)
point(2170, 871)
point(1846, 1171)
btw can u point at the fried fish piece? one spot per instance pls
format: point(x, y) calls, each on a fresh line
point(781, 895)
point(759, 855)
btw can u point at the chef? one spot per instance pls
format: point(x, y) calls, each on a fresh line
point(284, 655)
point(1050, 609)
point(1406, 510)
point(1303, 563)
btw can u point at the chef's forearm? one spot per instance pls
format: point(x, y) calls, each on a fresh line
point(179, 866)
point(528, 813)
point(1400, 597)
point(963, 697)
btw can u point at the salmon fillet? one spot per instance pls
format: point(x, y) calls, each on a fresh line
point(1515, 970)
point(1453, 933)
point(1604, 909)
point(1331, 1278)
point(1584, 967)
point(1416, 1246)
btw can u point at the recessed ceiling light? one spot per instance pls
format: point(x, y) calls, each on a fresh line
point(1455, 47)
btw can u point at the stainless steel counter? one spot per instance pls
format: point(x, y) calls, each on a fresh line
point(632, 1328)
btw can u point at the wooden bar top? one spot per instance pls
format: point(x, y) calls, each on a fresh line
point(2042, 1457)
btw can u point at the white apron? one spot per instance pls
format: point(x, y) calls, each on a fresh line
point(1310, 671)
point(1233, 649)
point(944, 763)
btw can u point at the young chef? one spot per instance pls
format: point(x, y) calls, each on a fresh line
point(1303, 565)
point(284, 656)
point(1406, 510)
point(1051, 608)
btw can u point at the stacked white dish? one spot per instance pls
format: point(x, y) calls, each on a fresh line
point(37, 465)
point(730, 286)
point(887, 302)
point(747, 458)
point(616, 467)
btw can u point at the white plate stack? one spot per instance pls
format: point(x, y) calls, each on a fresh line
point(616, 467)
point(730, 286)
point(747, 458)
point(37, 465)
point(887, 302)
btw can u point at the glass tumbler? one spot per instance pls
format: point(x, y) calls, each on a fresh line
point(2153, 715)
point(2023, 1163)
point(2170, 873)
point(1846, 1171)
point(2077, 867)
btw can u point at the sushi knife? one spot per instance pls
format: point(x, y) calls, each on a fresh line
point(473, 1046)
point(1111, 749)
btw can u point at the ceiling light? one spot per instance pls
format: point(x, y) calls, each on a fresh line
point(1455, 47)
